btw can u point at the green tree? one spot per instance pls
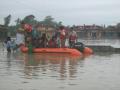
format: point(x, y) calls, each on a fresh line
point(60, 23)
point(49, 21)
point(18, 21)
point(7, 20)
point(30, 19)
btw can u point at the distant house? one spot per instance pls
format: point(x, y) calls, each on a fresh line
point(97, 32)
point(3, 31)
point(88, 27)
point(89, 31)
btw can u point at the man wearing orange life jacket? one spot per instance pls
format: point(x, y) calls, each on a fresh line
point(28, 34)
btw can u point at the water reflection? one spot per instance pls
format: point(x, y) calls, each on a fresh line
point(9, 60)
point(65, 65)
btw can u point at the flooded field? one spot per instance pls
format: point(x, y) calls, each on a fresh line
point(100, 71)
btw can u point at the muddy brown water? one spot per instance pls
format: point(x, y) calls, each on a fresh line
point(100, 71)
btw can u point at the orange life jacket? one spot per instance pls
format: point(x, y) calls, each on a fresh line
point(28, 27)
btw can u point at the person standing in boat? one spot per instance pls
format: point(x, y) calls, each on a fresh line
point(20, 37)
point(44, 40)
point(72, 38)
point(52, 43)
point(35, 36)
point(28, 33)
point(62, 36)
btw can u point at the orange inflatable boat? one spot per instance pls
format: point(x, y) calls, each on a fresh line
point(70, 51)
point(82, 48)
point(87, 50)
point(78, 50)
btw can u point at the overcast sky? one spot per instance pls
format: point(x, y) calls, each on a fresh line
point(70, 12)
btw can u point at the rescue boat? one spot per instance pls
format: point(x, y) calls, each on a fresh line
point(78, 50)
point(82, 48)
point(70, 51)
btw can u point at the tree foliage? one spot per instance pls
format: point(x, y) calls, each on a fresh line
point(30, 19)
point(49, 21)
point(7, 20)
point(18, 21)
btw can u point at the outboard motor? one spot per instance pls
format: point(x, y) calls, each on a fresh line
point(79, 46)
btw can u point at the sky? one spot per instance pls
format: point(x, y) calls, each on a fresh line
point(70, 12)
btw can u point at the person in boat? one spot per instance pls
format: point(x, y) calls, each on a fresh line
point(56, 38)
point(52, 42)
point(20, 37)
point(72, 38)
point(62, 36)
point(43, 41)
point(35, 37)
point(28, 33)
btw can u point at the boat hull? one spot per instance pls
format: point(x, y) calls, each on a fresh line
point(70, 51)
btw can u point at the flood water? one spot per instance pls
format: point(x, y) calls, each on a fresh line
point(100, 71)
